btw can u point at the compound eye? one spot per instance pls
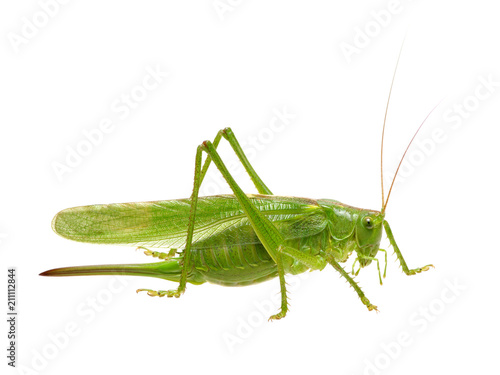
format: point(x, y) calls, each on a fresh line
point(368, 222)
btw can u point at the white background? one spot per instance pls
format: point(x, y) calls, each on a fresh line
point(237, 66)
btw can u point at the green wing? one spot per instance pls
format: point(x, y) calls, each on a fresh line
point(163, 224)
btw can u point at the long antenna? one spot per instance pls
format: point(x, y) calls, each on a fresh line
point(402, 158)
point(383, 127)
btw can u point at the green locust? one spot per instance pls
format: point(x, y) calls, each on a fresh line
point(233, 240)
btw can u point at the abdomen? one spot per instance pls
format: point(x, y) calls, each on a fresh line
point(246, 264)
point(234, 265)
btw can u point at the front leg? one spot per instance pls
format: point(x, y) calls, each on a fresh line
point(406, 270)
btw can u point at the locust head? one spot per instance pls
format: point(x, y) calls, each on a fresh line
point(368, 235)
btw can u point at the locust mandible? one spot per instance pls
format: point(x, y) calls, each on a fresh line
point(234, 240)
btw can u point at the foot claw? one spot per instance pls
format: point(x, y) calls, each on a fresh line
point(421, 269)
point(173, 293)
point(160, 255)
point(368, 304)
point(277, 316)
point(150, 292)
point(161, 293)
